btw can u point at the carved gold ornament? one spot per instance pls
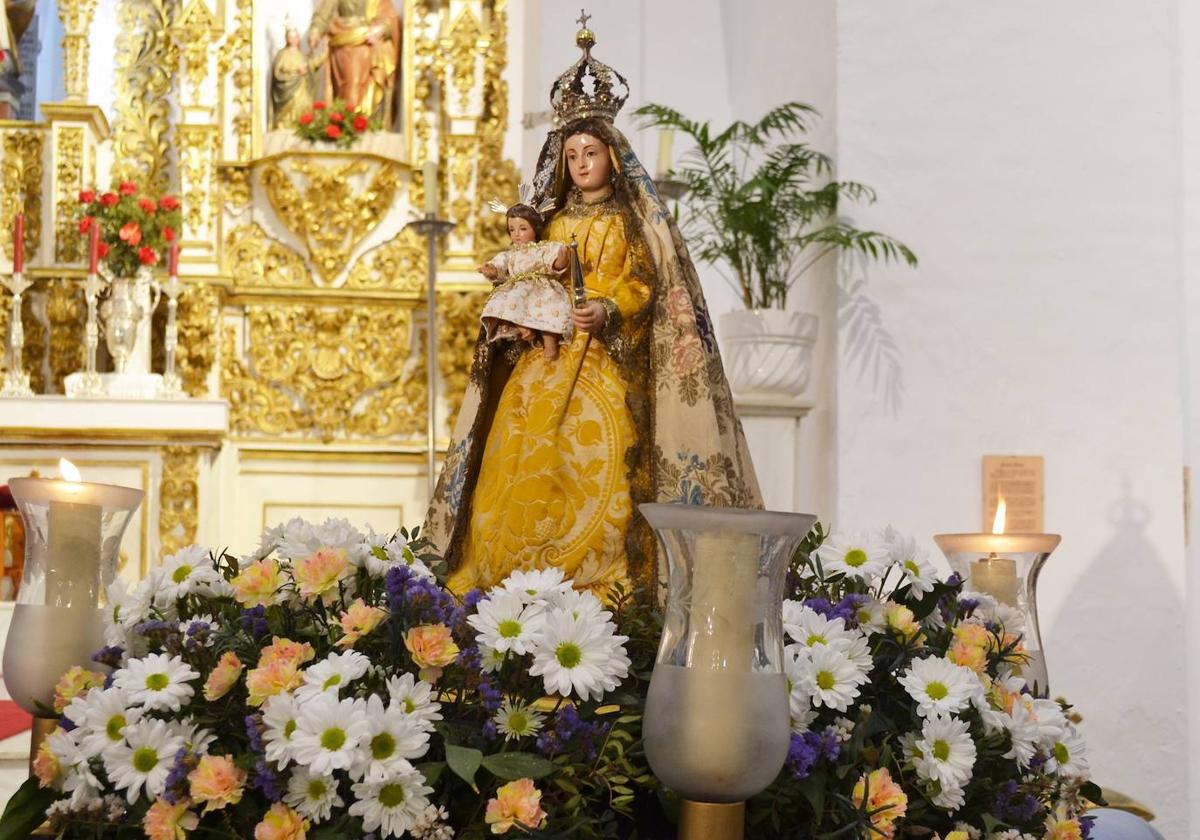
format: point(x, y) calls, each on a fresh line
point(235, 72)
point(66, 313)
point(462, 50)
point(22, 177)
point(68, 175)
point(195, 32)
point(76, 17)
point(198, 322)
point(323, 211)
point(458, 331)
point(145, 69)
point(255, 260)
point(397, 265)
point(197, 151)
point(178, 498)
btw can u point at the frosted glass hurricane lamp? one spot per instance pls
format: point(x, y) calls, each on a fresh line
point(73, 533)
point(716, 722)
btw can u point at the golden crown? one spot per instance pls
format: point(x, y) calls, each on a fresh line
point(590, 88)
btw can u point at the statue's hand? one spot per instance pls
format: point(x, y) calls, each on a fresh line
point(489, 271)
point(590, 317)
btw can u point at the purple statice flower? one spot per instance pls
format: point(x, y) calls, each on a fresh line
point(472, 598)
point(847, 609)
point(163, 633)
point(254, 733)
point(197, 634)
point(955, 579)
point(254, 622)
point(489, 730)
point(489, 696)
point(110, 656)
point(570, 727)
point(1014, 805)
point(421, 599)
point(806, 749)
point(966, 606)
point(266, 780)
point(66, 723)
point(177, 779)
point(820, 605)
point(1086, 824)
point(469, 659)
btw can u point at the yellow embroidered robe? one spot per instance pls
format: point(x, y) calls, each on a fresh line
point(553, 488)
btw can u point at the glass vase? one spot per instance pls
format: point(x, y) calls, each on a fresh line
point(73, 534)
point(716, 723)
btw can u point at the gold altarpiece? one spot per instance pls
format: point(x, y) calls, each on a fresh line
point(304, 301)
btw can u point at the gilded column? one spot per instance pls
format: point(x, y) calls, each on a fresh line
point(76, 17)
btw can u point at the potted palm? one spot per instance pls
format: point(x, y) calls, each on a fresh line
point(763, 208)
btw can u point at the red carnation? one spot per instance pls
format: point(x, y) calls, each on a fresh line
point(360, 123)
point(102, 250)
point(131, 232)
point(127, 188)
point(332, 132)
point(147, 256)
point(168, 233)
point(109, 199)
point(169, 203)
point(148, 205)
point(87, 196)
point(306, 118)
point(85, 224)
point(337, 117)
point(319, 105)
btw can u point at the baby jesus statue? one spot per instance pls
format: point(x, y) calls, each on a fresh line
point(529, 302)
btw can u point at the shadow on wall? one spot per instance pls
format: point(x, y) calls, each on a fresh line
point(866, 346)
point(1124, 609)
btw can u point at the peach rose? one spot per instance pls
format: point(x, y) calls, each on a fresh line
point(886, 802)
point(281, 823)
point(223, 677)
point(317, 575)
point(217, 782)
point(517, 803)
point(432, 648)
point(76, 682)
point(164, 821)
point(970, 647)
point(359, 620)
point(258, 584)
point(46, 766)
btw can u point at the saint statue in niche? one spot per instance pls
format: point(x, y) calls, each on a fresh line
point(363, 40)
point(17, 17)
point(292, 76)
point(551, 455)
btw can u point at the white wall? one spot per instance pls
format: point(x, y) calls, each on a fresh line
point(1028, 151)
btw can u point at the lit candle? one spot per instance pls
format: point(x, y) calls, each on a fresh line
point(173, 260)
point(94, 249)
point(19, 243)
point(73, 543)
point(666, 138)
point(429, 177)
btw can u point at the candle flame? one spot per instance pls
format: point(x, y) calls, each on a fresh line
point(68, 471)
point(998, 522)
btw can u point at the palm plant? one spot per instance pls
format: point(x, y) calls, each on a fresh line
point(763, 203)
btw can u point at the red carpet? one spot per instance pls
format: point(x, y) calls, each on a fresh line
point(13, 719)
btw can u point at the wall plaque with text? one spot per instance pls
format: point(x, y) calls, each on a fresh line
point(1018, 478)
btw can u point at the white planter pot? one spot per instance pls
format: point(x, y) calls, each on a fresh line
point(768, 352)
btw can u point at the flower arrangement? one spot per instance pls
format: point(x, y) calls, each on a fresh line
point(135, 229)
point(329, 686)
point(333, 122)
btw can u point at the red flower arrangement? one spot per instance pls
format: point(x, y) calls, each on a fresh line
point(135, 229)
point(333, 123)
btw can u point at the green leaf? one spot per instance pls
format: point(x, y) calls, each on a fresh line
point(517, 765)
point(464, 761)
point(26, 810)
point(432, 770)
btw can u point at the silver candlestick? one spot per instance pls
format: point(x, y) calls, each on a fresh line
point(433, 229)
point(16, 379)
point(172, 385)
point(90, 384)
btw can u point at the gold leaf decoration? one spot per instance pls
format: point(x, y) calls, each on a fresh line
point(235, 186)
point(198, 320)
point(331, 371)
point(195, 31)
point(76, 17)
point(22, 170)
point(397, 265)
point(68, 243)
point(498, 176)
point(66, 311)
point(255, 259)
point(236, 54)
point(35, 339)
point(145, 69)
point(463, 55)
point(458, 331)
point(178, 498)
point(197, 150)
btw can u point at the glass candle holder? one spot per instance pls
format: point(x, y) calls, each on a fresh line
point(716, 722)
point(1006, 566)
point(73, 532)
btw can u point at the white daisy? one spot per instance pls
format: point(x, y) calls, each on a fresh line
point(1068, 757)
point(993, 613)
point(491, 661)
point(391, 804)
point(190, 572)
point(914, 562)
point(393, 738)
point(948, 797)
point(536, 584)
point(157, 681)
point(505, 622)
point(332, 674)
point(415, 697)
point(579, 656)
point(135, 605)
point(939, 686)
point(279, 725)
point(580, 605)
point(1034, 725)
point(871, 617)
point(196, 739)
point(144, 760)
point(313, 796)
point(854, 555)
point(808, 627)
point(301, 539)
point(100, 718)
point(78, 780)
point(947, 752)
point(328, 733)
point(518, 721)
point(121, 613)
point(380, 552)
point(800, 705)
point(830, 677)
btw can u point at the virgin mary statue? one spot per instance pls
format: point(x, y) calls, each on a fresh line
point(551, 457)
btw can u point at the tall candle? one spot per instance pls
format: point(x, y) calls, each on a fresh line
point(996, 576)
point(666, 138)
point(73, 554)
point(19, 243)
point(429, 176)
point(94, 247)
point(173, 260)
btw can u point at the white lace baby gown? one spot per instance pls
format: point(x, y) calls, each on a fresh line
point(529, 293)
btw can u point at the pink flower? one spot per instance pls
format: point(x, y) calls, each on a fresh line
point(333, 132)
point(517, 803)
point(164, 821)
point(148, 205)
point(76, 682)
point(271, 679)
point(281, 823)
point(317, 575)
point(258, 584)
point(432, 648)
point(306, 118)
point(687, 354)
point(285, 650)
point(223, 677)
point(109, 199)
point(217, 782)
point(45, 765)
point(886, 802)
point(359, 620)
point(970, 647)
point(131, 232)
point(147, 256)
point(169, 202)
